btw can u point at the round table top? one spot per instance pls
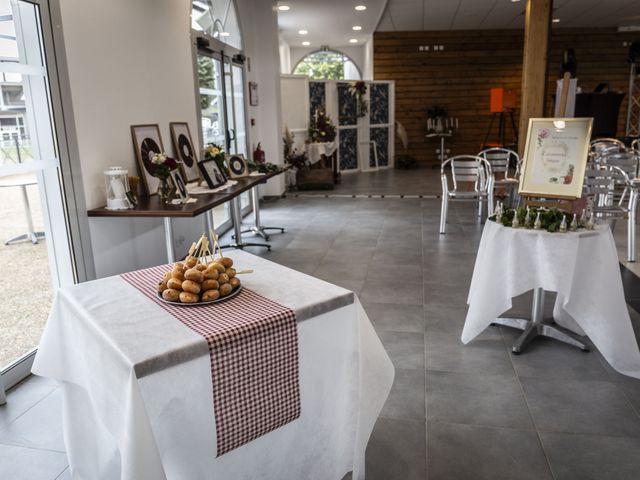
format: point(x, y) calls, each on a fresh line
point(20, 180)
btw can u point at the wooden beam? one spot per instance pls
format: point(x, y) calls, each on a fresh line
point(534, 64)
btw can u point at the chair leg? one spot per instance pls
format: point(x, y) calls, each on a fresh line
point(480, 207)
point(490, 208)
point(631, 228)
point(444, 210)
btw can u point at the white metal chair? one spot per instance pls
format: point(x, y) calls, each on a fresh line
point(469, 170)
point(503, 161)
point(606, 184)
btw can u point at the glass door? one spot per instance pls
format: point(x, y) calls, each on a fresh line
point(34, 240)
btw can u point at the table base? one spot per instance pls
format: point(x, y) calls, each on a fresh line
point(33, 237)
point(535, 327)
point(237, 222)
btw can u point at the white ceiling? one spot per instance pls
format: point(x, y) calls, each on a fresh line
point(328, 22)
point(402, 15)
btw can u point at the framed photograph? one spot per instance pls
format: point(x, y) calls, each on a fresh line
point(185, 152)
point(146, 143)
point(212, 173)
point(237, 166)
point(253, 94)
point(555, 157)
point(179, 183)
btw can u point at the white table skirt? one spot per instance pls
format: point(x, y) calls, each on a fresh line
point(137, 386)
point(315, 151)
point(581, 266)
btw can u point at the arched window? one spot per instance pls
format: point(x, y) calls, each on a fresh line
point(218, 19)
point(327, 65)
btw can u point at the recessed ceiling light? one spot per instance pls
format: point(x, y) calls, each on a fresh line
point(302, 32)
point(306, 44)
point(353, 40)
point(224, 34)
point(556, 20)
point(515, 1)
point(356, 28)
point(284, 8)
point(360, 8)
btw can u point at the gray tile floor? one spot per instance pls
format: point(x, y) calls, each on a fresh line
point(455, 411)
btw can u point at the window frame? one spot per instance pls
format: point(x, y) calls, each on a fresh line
point(328, 51)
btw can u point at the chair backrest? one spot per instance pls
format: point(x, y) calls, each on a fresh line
point(609, 144)
point(603, 182)
point(468, 169)
point(501, 160)
point(629, 161)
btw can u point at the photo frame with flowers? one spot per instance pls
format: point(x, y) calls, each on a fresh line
point(147, 142)
point(555, 157)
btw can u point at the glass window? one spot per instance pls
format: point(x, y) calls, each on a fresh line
point(327, 65)
point(218, 19)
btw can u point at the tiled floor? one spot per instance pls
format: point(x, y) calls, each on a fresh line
point(455, 411)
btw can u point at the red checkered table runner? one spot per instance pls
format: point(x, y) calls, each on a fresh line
point(253, 345)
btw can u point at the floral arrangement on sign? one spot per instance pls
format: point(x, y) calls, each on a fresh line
point(359, 90)
point(291, 155)
point(215, 152)
point(321, 128)
point(549, 219)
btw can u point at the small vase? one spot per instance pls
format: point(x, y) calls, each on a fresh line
point(166, 191)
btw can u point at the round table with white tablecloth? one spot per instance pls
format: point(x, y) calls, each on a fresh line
point(582, 267)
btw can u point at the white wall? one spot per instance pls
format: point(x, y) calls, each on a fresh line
point(130, 62)
point(356, 53)
point(285, 55)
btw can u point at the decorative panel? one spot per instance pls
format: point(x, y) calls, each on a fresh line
point(317, 97)
point(347, 106)
point(379, 103)
point(348, 148)
point(380, 135)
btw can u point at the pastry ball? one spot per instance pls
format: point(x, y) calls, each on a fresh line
point(175, 284)
point(225, 289)
point(187, 297)
point(171, 295)
point(231, 272)
point(177, 273)
point(234, 282)
point(211, 272)
point(191, 286)
point(162, 286)
point(210, 295)
point(226, 261)
point(191, 261)
point(210, 285)
point(223, 278)
point(194, 275)
point(167, 276)
point(179, 265)
point(200, 266)
point(221, 268)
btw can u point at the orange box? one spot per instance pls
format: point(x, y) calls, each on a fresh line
point(502, 101)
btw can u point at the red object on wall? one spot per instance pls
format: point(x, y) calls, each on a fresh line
point(258, 154)
point(502, 101)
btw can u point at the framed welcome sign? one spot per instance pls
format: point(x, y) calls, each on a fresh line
point(555, 157)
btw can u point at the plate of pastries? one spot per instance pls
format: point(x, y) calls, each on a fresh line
point(200, 280)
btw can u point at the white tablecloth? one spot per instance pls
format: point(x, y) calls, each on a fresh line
point(137, 384)
point(581, 266)
point(315, 151)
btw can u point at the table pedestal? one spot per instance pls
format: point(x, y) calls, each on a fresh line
point(258, 229)
point(236, 216)
point(536, 327)
point(31, 235)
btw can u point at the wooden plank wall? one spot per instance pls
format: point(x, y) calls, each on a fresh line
point(459, 77)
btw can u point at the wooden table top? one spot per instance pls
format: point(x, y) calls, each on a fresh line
point(152, 207)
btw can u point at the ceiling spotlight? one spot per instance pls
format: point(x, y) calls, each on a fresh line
point(515, 1)
point(361, 8)
point(556, 20)
point(306, 44)
point(356, 28)
point(302, 32)
point(284, 8)
point(353, 40)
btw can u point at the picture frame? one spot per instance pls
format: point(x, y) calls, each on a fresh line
point(555, 157)
point(180, 184)
point(147, 141)
point(185, 151)
point(212, 173)
point(253, 94)
point(237, 165)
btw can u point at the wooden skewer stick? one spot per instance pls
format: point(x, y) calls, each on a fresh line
point(247, 270)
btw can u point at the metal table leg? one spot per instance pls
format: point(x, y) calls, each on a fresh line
point(3, 397)
point(168, 239)
point(236, 216)
point(537, 327)
point(258, 229)
point(31, 234)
